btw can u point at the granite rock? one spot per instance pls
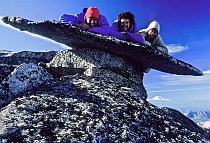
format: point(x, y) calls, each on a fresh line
point(83, 95)
point(97, 104)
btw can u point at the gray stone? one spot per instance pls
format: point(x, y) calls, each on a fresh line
point(94, 96)
point(25, 77)
point(100, 66)
point(100, 104)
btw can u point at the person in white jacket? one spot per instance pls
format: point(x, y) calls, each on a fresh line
point(153, 38)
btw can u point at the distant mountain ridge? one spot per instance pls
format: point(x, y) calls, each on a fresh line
point(195, 113)
point(199, 115)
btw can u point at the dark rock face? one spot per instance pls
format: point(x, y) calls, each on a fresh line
point(96, 105)
point(10, 60)
point(103, 68)
point(68, 114)
point(99, 67)
point(20, 73)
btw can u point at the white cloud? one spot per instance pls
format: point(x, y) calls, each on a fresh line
point(159, 98)
point(64, 46)
point(174, 48)
point(184, 79)
point(33, 35)
point(204, 42)
point(206, 72)
point(175, 90)
point(176, 83)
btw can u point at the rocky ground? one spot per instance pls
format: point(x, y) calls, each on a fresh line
point(84, 108)
point(61, 112)
point(91, 93)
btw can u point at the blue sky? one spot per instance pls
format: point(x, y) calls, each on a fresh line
point(185, 29)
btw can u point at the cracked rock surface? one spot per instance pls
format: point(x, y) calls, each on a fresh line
point(83, 95)
point(96, 104)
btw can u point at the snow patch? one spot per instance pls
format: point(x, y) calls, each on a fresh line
point(205, 125)
point(159, 98)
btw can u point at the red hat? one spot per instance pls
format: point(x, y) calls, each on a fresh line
point(92, 12)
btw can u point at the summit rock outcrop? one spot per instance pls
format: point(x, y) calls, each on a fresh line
point(83, 95)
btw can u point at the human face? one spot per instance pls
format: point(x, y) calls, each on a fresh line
point(153, 32)
point(125, 25)
point(92, 22)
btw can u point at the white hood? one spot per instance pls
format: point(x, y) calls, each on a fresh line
point(154, 24)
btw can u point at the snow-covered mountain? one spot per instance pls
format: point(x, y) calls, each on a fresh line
point(204, 125)
point(159, 98)
point(194, 111)
point(199, 115)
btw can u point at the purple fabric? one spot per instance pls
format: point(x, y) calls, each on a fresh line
point(102, 28)
point(72, 18)
point(128, 35)
point(135, 37)
point(114, 31)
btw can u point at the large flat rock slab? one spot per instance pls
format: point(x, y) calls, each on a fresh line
point(139, 55)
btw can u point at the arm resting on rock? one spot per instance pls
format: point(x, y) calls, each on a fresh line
point(72, 18)
point(135, 37)
point(102, 28)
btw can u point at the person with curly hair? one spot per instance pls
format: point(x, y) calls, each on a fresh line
point(125, 28)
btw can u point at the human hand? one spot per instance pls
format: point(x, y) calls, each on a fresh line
point(147, 43)
point(83, 25)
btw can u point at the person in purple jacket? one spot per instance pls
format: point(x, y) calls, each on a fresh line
point(90, 19)
point(125, 28)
